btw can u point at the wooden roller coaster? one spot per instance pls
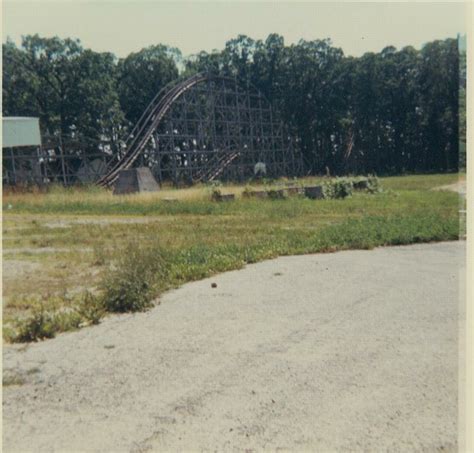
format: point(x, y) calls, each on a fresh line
point(196, 129)
point(203, 128)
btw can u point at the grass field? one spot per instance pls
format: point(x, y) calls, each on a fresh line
point(59, 244)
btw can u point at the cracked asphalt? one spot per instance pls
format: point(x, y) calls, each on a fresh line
point(353, 350)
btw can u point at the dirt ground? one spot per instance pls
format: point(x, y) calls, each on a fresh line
point(354, 350)
point(459, 186)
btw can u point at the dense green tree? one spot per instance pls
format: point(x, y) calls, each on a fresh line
point(387, 112)
point(462, 109)
point(18, 86)
point(141, 75)
point(268, 67)
point(97, 111)
point(439, 102)
point(72, 90)
point(205, 62)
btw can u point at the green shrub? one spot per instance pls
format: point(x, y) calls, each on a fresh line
point(342, 188)
point(42, 324)
point(328, 190)
point(63, 321)
point(135, 279)
point(50, 315)
point(37, 326)
point(91, 308)
point(216, 195)
point(337, 188)
point(373, 184)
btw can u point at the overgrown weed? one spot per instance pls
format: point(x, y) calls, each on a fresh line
point(91, 308)
point(135, 278)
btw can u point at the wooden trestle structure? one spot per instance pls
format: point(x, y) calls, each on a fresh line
point(203, 128)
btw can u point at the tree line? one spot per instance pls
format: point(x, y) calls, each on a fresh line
point(389, 112)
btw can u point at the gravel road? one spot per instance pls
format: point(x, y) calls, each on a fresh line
point(354, 350)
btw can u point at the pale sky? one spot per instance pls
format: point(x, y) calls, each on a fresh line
point(124, 26)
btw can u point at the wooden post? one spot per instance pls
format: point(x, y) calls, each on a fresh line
point(63, 166)
point(13, 166)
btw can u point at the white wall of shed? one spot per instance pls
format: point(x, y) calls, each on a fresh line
point(19, 131)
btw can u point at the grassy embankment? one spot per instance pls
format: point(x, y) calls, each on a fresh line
point(59, 244)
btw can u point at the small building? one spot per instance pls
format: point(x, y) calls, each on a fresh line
point(21, 144)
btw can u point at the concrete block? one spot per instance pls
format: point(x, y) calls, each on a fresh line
point(135, 180)
point(315, 192)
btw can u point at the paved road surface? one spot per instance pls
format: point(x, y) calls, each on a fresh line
point(352, 351)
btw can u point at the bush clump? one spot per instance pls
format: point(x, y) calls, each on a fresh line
point(373, 184)
point(338, 188)
point(42, 324)
point(135, 278)
point(328, 190)
point(91, 308)
point(343, 188)
point(38, 326)
point(216, 195)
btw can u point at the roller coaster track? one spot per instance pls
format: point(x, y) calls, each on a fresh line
point(147, 123)
point(217, 169)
